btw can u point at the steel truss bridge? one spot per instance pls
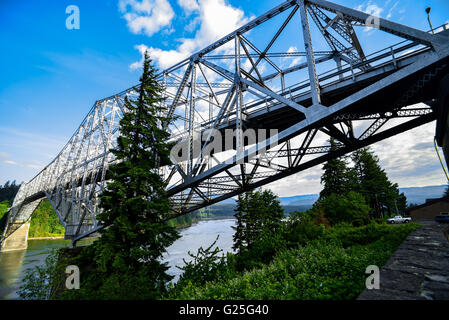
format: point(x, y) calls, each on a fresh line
point(247, 80)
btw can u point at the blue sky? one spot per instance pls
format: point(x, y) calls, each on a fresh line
point(50, 76)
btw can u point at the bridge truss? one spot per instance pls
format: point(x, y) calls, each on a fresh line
point(247, 80)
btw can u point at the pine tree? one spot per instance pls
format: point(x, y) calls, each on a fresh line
point(257, 212)
point(373, 183)
point(135, 205)
point(8, 191)
point(239, 234)
point(335, 178)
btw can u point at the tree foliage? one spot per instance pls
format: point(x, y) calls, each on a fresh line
point(257, 212)
point(4, 207)
point(135, 206)
point(335, 178)
point(372, 182)
point(44, 222)
point(206, 265)
point(8, 191)
point(350, 208)
point(330, 266)
point(365, 177)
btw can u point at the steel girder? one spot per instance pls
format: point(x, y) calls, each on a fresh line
point(236, 83)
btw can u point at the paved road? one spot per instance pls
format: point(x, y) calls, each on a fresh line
point(418, 270)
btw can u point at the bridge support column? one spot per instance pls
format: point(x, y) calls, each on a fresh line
point(17, 238)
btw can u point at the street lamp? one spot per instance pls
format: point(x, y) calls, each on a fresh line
point(428, 9)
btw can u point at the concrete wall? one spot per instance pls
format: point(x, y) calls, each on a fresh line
point(430, 211)
point(15, 235)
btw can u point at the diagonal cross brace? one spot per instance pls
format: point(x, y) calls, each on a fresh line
point(385, 25)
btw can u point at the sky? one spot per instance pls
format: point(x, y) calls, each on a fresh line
point(51, 75)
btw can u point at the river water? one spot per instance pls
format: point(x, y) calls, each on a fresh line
point(13, 265)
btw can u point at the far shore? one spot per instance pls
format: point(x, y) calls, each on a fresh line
point(45, 238)
point(180, 227)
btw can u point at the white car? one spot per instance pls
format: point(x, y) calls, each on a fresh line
point(399, 219)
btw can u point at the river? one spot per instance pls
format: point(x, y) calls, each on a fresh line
point(13, 265)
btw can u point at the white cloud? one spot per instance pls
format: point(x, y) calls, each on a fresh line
point(189, 6)
point(296, 60)
point(146, 16)
point(409, 159)
point(390, 12)
point(10, 162)
point(34, 166)
point(164, 58)
point(372, 9)
point(216, 19)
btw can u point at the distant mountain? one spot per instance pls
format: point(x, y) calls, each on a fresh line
point(302, 200)
point(416, 195)
point(419, 195)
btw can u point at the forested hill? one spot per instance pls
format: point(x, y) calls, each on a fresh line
point(415, 195)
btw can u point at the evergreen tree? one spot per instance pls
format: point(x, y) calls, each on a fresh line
point(350, 208)
point(135, 205)
point(335, 178)
point(8, 191)
point(372, 182)
point(257, 212)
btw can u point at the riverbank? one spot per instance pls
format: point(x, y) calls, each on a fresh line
point(46, 238)
point(13, 265)
point(315, 264)
point(190, 221)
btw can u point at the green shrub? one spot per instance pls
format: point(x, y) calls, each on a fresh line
point(332, 267)
point(206, 265)
point(348, 235)
point(317, 271)
point(350, 208)
point(261, 252)
point(301, 228)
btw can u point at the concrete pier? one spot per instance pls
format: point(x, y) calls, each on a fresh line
point(17, 236)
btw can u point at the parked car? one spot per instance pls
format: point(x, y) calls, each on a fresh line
point(399, 219)
point(442, 218)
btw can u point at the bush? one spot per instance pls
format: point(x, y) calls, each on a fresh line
point(349, 236)
point(301, 228)
point(39, 282)
point(350, 208)
point(329, 268)
point(4, 207)
point(317, 271)
point(261, 251)
point(205, 266)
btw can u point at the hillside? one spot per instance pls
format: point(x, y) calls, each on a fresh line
point(415, 195)
point(419, 195)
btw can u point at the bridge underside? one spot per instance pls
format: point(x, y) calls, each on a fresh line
point(236, 83)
